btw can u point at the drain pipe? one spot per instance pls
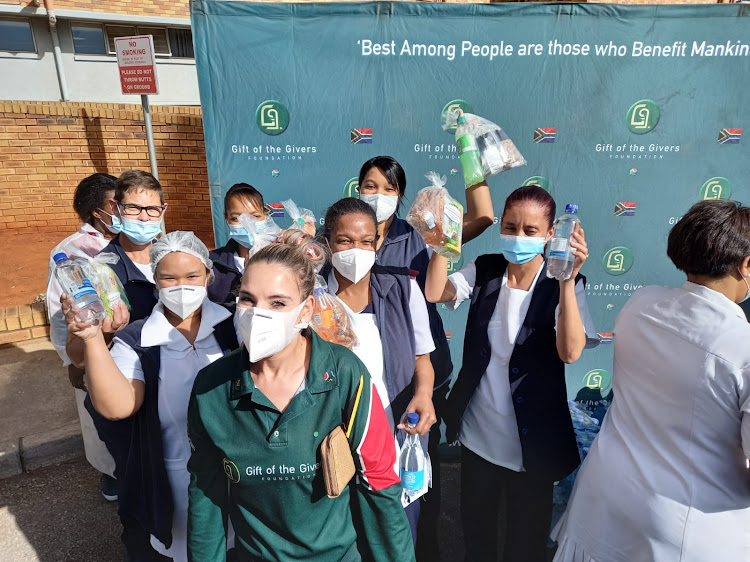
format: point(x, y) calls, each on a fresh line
point(49, 5)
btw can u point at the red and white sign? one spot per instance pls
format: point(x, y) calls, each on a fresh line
point(135, 59)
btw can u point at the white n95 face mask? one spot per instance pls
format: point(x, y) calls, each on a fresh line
point(383, 205)
point(266, 332)
point(183, 300)
point(354, 263)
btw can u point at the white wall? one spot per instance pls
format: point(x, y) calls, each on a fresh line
point(89, 78)
point(28, 76)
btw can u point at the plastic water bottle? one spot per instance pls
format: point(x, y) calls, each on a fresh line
point(412, 461)
point(560, 258)
point(75, 284)
point(468, 153)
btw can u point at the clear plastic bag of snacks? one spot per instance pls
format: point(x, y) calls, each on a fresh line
point(438, 218)
point(497, 150)
point(330, 319)
point(104, 280)
point(302, 219)
point(264, 232)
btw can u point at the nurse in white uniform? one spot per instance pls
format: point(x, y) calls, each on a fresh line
point(190, 332)
point(666, 479)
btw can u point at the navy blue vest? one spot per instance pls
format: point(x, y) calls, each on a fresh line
point(227, 277)
point(139, 290)
point(537, 374)
point(144, 490)
point(404, 248)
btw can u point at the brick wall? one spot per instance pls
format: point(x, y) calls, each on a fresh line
point(47, 148)
point(22, 323)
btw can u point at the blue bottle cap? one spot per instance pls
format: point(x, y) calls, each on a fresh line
point(57, 258)
point(571, 208)
point(413, 418)
point(318, 291)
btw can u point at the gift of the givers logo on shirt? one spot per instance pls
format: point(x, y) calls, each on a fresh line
point(337, 461)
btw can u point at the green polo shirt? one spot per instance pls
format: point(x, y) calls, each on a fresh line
point(261, 466)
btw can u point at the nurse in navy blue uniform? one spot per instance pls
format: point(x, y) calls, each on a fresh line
point(382, 185)
point(229, 260)
point(508, 406)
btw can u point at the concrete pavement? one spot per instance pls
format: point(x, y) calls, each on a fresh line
point(38, 416)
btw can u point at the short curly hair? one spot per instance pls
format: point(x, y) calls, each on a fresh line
point(91, 194)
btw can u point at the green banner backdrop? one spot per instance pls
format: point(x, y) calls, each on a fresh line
point(632, 112)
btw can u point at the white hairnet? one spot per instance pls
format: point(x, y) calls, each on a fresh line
point(180, 241)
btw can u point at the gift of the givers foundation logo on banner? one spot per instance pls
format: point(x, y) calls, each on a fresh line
point(643, 116)
point(717, 188)
point(231, 470)
point(456, 265)
point(541, 181)
point(272, 117)
point(351, 188)
point(618, 260)
point(597, 379)
point(452, 107)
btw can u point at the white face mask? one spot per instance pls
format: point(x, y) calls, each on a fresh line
point(747, 295)
point(383, 205)
point(183, 300)
point(353, 264)
point(266, 332)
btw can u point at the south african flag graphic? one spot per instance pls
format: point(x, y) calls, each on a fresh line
point(545, 134)
point(730, 136)
point(361, 136)
point(625, 208)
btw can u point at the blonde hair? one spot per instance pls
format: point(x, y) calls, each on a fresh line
point(292, 256)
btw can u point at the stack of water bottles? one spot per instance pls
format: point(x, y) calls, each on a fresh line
point(414, 464)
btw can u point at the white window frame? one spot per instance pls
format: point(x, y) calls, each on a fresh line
point(84, 23)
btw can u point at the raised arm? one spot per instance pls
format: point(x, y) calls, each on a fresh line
point(479, 214)
point(114, 396)
point(437, 287)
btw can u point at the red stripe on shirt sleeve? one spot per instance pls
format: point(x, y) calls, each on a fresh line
point(376, 451)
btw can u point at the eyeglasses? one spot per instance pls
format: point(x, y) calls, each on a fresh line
point(132, 210)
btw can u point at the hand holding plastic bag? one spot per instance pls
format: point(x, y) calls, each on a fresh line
point(104, 280)
point(497, 150)
point(438, 218)
point(303, 219)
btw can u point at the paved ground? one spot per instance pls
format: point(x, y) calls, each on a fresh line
point(56, 514)
point(35, 394)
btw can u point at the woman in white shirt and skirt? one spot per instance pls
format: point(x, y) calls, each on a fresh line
point(508, 406)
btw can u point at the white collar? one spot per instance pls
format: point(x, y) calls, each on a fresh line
point(715, 297)
point(157, 330)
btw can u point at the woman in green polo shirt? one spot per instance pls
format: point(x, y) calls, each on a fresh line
point(256, 420)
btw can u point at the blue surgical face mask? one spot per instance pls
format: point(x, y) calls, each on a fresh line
point(521, 249)
point(140, 232)
point(240, 235)
point(116, 226)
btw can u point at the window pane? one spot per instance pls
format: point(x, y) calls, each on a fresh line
point(115, 31)
point(15, 35)
point(161, 45)
point(181, 42)
point(88, 39)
